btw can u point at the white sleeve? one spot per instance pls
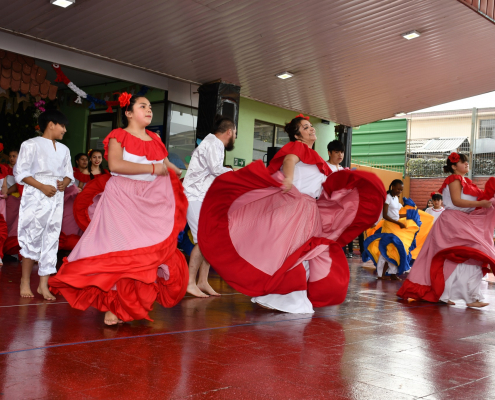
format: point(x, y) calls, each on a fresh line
point(389, 199)
point(68, 171)
point(24, 164)
point(214, 162)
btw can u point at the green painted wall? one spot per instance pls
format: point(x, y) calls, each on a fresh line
point(75, 138)
point(381, 142)
point(250, 110)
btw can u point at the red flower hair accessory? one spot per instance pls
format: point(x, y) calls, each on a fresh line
point(125, 99)
point(302, 116)
point(454, 158)
point(432, 194)
point(89, 151)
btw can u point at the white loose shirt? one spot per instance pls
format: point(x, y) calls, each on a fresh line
point(206, 164)
point(38, 157)
point(434, 212)
point(335, 168)
point(308, 179)
point(393, 207)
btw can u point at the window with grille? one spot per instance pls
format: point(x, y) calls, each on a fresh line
point(267, 135)
point(487, 129)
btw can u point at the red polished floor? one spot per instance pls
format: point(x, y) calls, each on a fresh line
point(371, 347)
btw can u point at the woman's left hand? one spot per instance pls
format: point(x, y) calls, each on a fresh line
point(286, 185)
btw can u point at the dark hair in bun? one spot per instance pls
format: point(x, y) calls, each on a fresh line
point(448, 168)
point(292, 128)
point(132, 101)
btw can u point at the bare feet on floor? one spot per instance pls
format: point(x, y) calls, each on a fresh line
point(47, 295)
point(111, 319)
point(26, 289)
point(477, 304)
point(205, 287)
point(193, 289)
point(450, 303)
point(394, 277)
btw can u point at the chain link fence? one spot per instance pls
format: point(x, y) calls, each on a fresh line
point(432, 136)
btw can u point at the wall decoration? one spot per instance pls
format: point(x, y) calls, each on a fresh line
point(21, 74)
point(82, 95)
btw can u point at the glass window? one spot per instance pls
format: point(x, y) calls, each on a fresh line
point(267, 135)
point(487, 129)
point(183, 124)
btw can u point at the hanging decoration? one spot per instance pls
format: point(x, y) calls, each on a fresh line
point(82, 95)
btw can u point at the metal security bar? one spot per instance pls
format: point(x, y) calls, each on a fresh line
point(433, 136)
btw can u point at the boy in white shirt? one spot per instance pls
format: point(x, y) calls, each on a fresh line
point(45, 169)
point(437, 208)
point(335, 155)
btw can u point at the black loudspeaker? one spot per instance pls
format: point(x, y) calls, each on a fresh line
point(216, 98)
point(270, 153)
point(344, 135)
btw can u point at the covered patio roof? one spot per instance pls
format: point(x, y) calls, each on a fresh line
point(350, 63)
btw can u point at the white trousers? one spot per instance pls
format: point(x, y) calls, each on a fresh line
point(296, 302)
point(463, 284)
point(193, 211)
point(40, 222)
point(392, 269)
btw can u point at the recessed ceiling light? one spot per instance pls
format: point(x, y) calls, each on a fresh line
point(411, 35)
point(400, 114)
point(285, 75)
point(62, 3)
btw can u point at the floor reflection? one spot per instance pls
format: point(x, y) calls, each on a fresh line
point(373, 346)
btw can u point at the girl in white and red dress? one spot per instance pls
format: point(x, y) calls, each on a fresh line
point(277, 233)
point(13, 203)
point(4, 172)
point(127, 257)
point(459, 248)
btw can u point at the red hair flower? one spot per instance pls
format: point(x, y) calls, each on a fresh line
point(125, 99)
point(454, 158)
point(432, 194)
point(302, 116)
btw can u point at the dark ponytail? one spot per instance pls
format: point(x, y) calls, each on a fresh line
point(132, 101)
point(394, 182)
point(292, 128)
point(448, 168)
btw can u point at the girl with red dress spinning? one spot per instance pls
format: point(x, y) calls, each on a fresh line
point(459, 248)
point(127, 257)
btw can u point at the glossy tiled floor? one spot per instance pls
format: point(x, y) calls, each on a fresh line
point(371, 347)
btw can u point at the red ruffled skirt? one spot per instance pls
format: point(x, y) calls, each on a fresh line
point(455, 238)
point(128, 258)
point(70, 233)
point(256, 237)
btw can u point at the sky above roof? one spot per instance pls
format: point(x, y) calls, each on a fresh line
point(486, 100)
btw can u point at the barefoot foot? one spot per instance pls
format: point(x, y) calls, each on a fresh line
point(26, 289)
point(205, 287)
point(394, 277)
point(47, 295)
point(450, 303)
point(111, 319)
point(477, 304)
point(193, 289)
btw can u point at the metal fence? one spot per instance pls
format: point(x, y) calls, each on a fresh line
point(432, 136)
point(394, 168)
